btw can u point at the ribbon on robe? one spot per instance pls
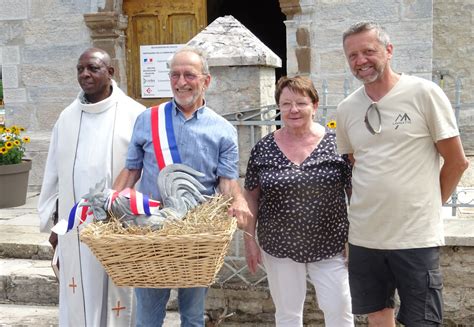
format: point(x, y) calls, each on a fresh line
point(77, 216)
point(164, 141)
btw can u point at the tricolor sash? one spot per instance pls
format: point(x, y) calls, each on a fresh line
point(139, 204)
point(164, 141)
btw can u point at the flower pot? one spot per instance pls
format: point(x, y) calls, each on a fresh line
point(14, 184)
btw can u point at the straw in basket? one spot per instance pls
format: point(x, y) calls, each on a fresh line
point(184, 253)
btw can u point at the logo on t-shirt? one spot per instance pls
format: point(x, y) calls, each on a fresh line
point(402, 119)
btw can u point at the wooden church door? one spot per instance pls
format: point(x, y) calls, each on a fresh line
point(158, 22)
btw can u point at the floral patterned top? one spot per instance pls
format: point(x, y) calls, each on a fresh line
point(302, 208)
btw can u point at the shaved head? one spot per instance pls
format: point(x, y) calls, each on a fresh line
point(100, 54)
point(94, 74)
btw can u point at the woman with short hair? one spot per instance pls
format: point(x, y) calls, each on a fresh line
point(296, 186)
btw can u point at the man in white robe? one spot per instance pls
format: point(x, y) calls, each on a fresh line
point(89, 142)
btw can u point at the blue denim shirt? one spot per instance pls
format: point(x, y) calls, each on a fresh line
point(206, 142)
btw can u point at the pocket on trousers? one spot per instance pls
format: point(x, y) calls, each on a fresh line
point(434, 296)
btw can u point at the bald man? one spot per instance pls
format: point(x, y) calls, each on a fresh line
point(89, 143)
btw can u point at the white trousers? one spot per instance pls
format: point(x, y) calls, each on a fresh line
point(287, 282)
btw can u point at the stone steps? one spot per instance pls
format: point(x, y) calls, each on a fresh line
point(30, 245)
point(28, 287)
point(26, 281)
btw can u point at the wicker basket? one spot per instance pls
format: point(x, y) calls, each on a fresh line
point(158, 261)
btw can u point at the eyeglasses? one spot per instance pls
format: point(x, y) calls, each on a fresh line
point(286, 106)
point(189, 77)
point(373, 107)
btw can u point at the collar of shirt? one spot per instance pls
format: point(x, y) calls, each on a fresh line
point(196, 114)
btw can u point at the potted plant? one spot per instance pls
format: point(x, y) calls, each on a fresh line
point(14, 169)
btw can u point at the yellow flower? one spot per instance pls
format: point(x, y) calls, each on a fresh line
point(331, 124)
point(12, 149)
point(17, 129)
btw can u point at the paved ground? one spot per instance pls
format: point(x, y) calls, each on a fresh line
point(23, 315)
point(29, 315)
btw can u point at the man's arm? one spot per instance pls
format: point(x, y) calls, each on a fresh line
point(455, 163)
point(348, 190)
point(126, 178)
point(239, 208)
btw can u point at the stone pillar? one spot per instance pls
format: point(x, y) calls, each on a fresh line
point(290, 7)
point(298, 35)
point(107, 32)
point(299, 59)
point(243, 75)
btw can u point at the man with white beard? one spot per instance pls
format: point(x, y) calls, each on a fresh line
point(184, 130)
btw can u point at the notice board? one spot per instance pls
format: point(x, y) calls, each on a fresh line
point(155, 81)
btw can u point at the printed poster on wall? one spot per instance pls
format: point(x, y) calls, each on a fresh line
point(155, 82)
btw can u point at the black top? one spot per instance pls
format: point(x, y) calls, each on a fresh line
point(302, 209)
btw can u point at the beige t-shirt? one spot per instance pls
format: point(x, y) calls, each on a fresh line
point(396, 197)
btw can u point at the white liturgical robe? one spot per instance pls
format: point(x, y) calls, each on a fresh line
point(89, 143)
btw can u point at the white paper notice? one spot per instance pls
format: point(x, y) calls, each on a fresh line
point(155, 82)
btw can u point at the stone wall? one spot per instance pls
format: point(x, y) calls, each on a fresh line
point(453, 28)
point(40, 42)
point(245, 88)
point(457, 264)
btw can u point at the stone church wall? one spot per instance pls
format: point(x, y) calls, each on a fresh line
point(453, 58)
